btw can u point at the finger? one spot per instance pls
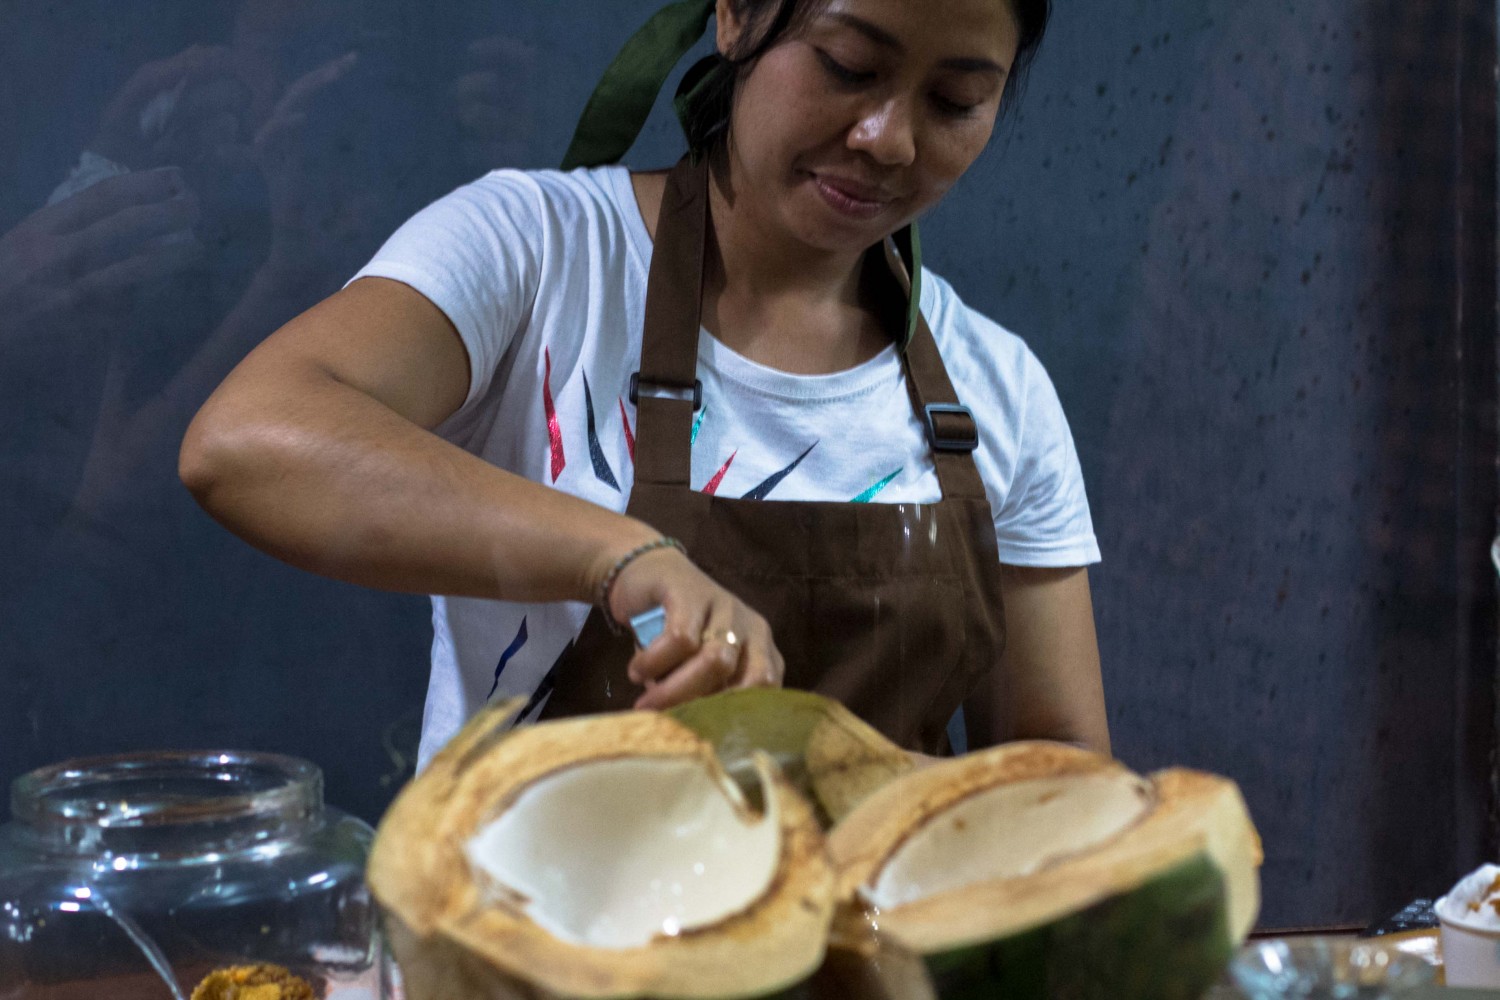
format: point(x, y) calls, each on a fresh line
point(299, 96)
point(708, 672)
point(762, 664)
point(204, 62)
point(124, 233)
point(728, 644)
point(111, 195)
point(280, 136)
point(678, 642)
point(760, 667)
point(160, 259)
point(166, 74)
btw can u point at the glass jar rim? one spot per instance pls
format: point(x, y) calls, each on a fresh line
point(57, 795)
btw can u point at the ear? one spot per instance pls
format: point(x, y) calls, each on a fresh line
point(729, 25)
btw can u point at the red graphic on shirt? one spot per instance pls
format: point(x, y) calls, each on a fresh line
point(629, 434)
point(554, 430)
point(713, 484)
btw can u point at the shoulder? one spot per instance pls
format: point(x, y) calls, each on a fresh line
point(603, 192)
point(1026, 452)
point(983, 357)
point(649, 187)
point(549, 222)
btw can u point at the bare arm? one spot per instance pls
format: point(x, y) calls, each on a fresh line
point(1048, 684)
point(318, 449)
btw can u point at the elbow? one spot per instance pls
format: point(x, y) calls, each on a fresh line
point(206, 458)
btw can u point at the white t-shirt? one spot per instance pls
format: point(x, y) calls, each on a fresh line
point(544, 276)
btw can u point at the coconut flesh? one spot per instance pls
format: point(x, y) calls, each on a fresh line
point(1007, 831)
point(616, 853)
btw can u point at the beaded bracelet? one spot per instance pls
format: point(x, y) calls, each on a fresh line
point(619, 566)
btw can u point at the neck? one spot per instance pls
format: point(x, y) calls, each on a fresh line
point(758, 256)
point(776, 299)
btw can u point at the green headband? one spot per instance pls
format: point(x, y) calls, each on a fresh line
point(624, 96)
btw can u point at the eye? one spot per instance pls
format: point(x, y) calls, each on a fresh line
point(956, 109)
point(843, 74)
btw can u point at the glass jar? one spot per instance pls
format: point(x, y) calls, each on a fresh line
point(135, 876)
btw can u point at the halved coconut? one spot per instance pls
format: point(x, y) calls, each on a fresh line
point(1041, 870)
point(608, 856)
point(833, 757)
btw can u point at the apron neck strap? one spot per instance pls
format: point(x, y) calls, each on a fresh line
point(952, 432)
point(666, 389)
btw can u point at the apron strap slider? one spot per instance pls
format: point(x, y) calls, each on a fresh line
point(661, 390)
point(951, 427)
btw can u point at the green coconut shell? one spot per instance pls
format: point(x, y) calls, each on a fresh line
point(1167, 940)
point(828, 753)
point(1154, 913)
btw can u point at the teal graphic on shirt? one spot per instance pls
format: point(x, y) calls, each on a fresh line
point(874, 491)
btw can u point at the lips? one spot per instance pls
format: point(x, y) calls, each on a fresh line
point(851, 197)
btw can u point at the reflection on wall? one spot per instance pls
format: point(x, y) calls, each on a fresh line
point(1237, 239)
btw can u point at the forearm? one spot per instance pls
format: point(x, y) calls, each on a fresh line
point(327, 478)
point(1047, 684)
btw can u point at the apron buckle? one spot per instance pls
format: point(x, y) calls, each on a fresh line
point(661, 390)
point(950, 427)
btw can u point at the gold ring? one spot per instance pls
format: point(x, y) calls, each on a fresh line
point(724, 635)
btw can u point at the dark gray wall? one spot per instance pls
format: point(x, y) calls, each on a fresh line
point(1254, 244)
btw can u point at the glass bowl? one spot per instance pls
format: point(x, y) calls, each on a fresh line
point(1326, 968)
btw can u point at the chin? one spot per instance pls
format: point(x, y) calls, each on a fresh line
point(822, 229)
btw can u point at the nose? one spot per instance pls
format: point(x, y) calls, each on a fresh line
point(886, 132)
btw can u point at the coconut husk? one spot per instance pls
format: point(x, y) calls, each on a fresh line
point(453, 937)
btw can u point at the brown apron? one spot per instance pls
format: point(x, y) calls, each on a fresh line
point(893, 609)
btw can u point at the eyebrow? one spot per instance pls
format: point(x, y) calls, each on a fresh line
point(883, 38)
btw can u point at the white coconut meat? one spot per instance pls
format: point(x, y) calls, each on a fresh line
point(614, 853)
point(1007, 831)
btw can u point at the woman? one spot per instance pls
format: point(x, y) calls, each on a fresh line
point(590, 439)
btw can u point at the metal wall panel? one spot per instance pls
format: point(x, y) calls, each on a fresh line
point(1253, 242)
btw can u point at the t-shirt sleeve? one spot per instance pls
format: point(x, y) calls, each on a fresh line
point(476, 254)
point(1045, 519)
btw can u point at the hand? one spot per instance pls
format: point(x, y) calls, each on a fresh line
point(490, 98)
point(312, 217)
point(712, 640)
point(87, 249)
point(178, 111)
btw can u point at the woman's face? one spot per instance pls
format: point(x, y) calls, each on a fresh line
point(853, 125)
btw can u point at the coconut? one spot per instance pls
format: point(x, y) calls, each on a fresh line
point(615, 856)
point(1041, 870)
point(833, 757)
point(608, 856)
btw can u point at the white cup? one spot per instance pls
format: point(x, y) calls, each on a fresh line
point(1471, 955)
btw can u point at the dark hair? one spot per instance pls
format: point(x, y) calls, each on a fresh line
point(707, 92)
